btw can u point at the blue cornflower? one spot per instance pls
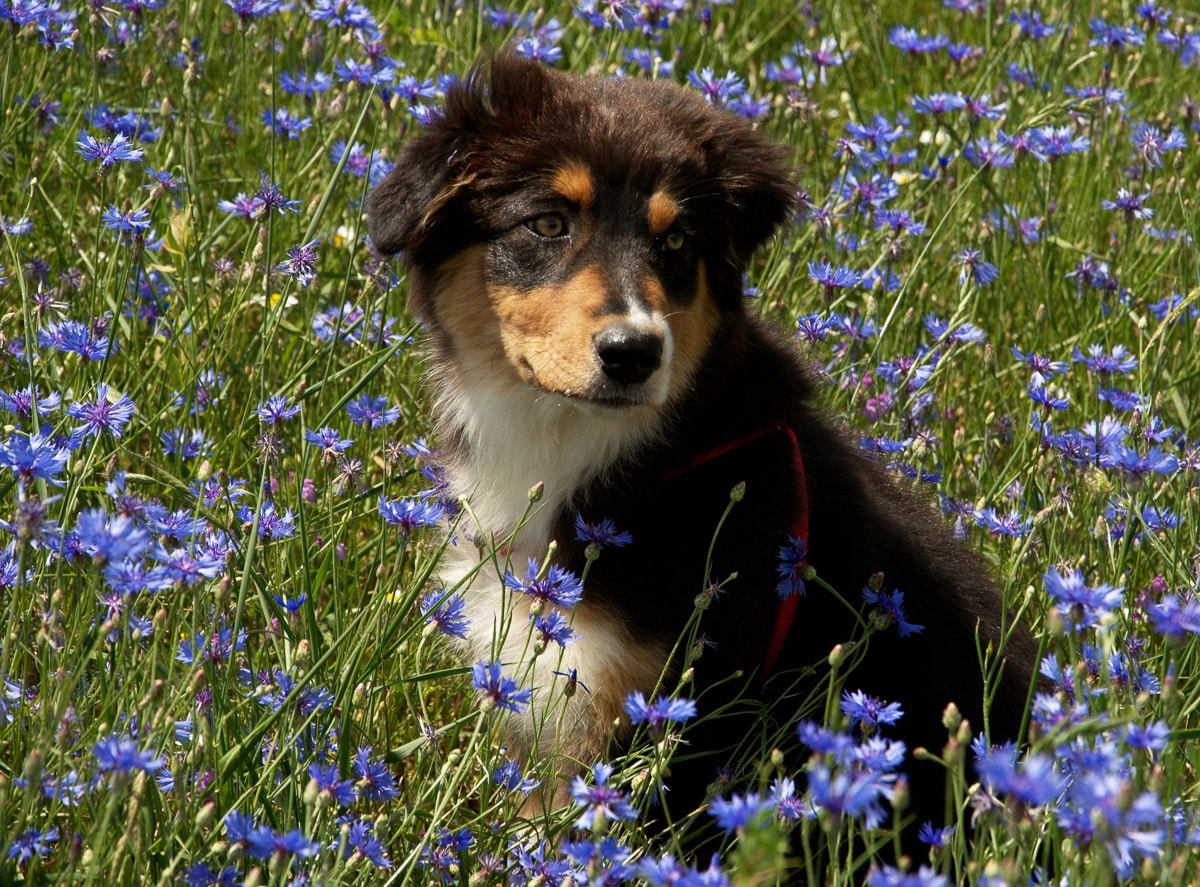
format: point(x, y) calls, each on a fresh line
point(22, 403)
point(739, 811)
point(934, 836)
point(446, 613)
point(304, 84)
point(1044, 366)
point(1051, 143)
point(372, 411)
point(301, 263)
point(1129, 204)
point(284, 123)
point(72, 336)
point(329, 782)
point(1096, 360)
point(967, 334)
point(1114, 37)
point(272, 524)
point(1175, 617)
point(553, 626)
point(889, 876)
point(250, 10)
point(660, 712)
point(914, 43)
point(847, 791)
point(558, 586)
point(363, 73)
point(717, 90)
point(833, 278)
point(601, 802)
point(375, 780)
point(34, 457)
point(939, 103)
point(1150, 143)
point(187, 445)
point(242, 205)
point(189, 567)
point(361, 840)
point(601, 534)
point(270, 197)
point(1128, 460)
point(1031, 25)
point(1080, 605)
point(358, 160)
point(1043, 396)
point(499, 691)
point(291, 605)
point(135, 222)
point(1011, 524)
point(793, 565)
point(1036, 780)
point(891, 607)
point(898, 221)
point(276, 409)
point(110, 538)
point(32, 842)
point(344, 14)
point(509, 776)
point(984, 152)
point(198, 874)
point(329, 440)
point(1152, 737)
point(974, 266)
point(119, 149)
point(410, 514)
point(117, 755)
point(1122, 401)
point(105, 413)
point(867, 711)
point(266, 843)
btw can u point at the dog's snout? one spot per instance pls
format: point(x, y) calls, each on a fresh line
point(629, 355)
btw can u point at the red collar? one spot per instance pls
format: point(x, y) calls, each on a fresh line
point(799, 529)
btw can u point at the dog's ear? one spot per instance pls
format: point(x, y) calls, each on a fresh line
point(756, 184)
point(437, 166)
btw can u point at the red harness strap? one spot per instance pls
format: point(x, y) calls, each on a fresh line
point(799, 529)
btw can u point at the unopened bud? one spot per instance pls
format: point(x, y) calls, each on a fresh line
point(951, 718)
point(536, 491)
point(738, 493)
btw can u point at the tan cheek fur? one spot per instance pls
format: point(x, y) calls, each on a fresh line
point(547, 332)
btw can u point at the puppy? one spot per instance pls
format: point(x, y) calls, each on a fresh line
point(576, 249)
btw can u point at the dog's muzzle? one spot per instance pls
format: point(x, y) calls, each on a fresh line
point(629, 355)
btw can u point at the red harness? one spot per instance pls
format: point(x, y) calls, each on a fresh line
point(799, 529)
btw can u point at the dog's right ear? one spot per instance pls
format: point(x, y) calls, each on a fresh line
point(438, 166)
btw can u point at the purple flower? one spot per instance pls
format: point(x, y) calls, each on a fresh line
point(301, 263)
point(974, 266)
point(718, 90)
point(119, 149)
point(891, 606)
point(888, 876)
point(1096, 360)
point(1132, 206)
point(270, 198)
point(361, 840)
point(32, 842)
point(375, 780)
point(509, 776)
point(499, 691)
point(73, 336)
point(601, 802)
point(833, 277)
point(1011, 524)
point(329, 440)
point(557, 586)
point(372, 411)
point(34, 457)
point(275, 409)
point(117, 755)
point(792, 566)
point(739, 811)
point(135, 222)
point(1080, 605)
point(105, 413)
point(1175, 617)
point(284, 123)
point(660, 712)
point(446, 613)
point(867, 711)
point(329, 782)
point(938, 103)
point(410, 514)
point(600, 534)
point(1051, 143)
point(272, 524)
point(553, 626)
point(1035, 780)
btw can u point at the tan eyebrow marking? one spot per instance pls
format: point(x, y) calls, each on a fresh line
point(662, 213)
point(574, 182)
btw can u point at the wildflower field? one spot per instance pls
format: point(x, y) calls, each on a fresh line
point(222, 656)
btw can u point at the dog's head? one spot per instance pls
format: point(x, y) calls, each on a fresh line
point(579, 235)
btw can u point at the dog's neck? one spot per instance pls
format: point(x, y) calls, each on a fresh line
point(503, 438)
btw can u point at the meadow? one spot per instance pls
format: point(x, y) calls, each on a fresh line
point(223, 647)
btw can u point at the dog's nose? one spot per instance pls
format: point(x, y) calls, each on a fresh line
point(629, 355)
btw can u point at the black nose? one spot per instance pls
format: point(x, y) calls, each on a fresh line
point(629, 355)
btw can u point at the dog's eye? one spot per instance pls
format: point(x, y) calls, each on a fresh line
point(549, 225)
point(673, 240)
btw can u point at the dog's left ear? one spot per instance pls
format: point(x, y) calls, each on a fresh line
point(756, 184)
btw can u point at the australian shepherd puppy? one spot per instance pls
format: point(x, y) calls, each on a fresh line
point(576, 248)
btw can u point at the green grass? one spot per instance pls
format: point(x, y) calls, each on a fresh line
point(354, 665)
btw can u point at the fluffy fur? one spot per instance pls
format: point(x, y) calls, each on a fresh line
point(576, 248)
